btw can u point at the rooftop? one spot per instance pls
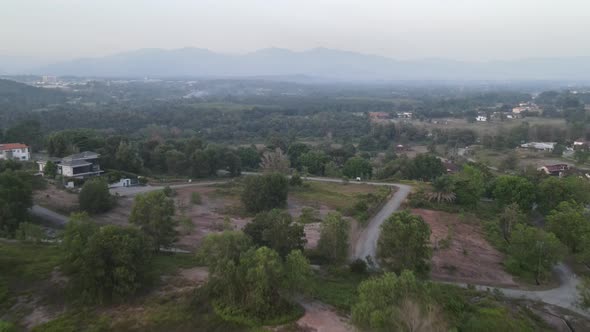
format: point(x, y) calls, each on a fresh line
point(11, 146)
point(75, 163)
point(81, 156)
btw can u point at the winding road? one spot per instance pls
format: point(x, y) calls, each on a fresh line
point(565, 296)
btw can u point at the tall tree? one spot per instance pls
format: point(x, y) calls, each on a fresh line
point(404, 243)
point(357, 167)
point(334, 236)
point(153, 213)
point(275, 229)
point(16, 197)
point(265, 192)
point(95, 196)
point(570, 223)
point(514, 189)
point(535, 251)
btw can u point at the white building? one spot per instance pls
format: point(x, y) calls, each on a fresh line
point(80, 165)
point(481, 118)
point(539, 146)
point(15, 151)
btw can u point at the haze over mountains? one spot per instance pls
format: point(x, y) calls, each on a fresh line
point(319, 63)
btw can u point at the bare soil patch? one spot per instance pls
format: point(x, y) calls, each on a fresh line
point(320, 317)
point(56, 199)
point(462, 253)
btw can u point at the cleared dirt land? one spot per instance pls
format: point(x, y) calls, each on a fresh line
point(462, 253)
point(58, 200)
point(220, 209)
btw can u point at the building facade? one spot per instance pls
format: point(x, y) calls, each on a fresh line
point(15, 151)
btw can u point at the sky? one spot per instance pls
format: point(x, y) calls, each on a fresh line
point(474, 30)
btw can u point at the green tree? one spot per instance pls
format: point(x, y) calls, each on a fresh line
point(176, 162)
point(50, 169)
point(514, 189)
point(153, 213)
point(424, 167)
point(127, 157)
point(95, 196)
point(334, 236)
point(105, 264)
point(508, 219)
point(249, 157)
point(469, 186)
point(534, 251)
point(314, 161)
point(553, 190)
point(443, 190)
point(16, 197)
point(265, 192)
point(404, 243)
point(275, 229)
point(384, 302)
point(570, 224)
point(357, 167)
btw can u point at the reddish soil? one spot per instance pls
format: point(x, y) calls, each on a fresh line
point(320, 317)
point(466, 256)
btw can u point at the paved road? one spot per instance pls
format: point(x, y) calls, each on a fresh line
point(48, 215)
point(132, 191)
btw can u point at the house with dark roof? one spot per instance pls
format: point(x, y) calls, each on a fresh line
point(555, 170)
point(79, 165)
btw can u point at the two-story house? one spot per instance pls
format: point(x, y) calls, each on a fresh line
point(15, 151)
point(80, 165)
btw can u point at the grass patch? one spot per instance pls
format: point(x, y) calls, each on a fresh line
point(168, 263)
point(337, 287)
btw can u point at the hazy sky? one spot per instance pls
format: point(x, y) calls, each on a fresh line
point(458, 29)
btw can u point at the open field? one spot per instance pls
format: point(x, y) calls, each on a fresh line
point(462, 253)
point(484, 128)
point(221, 208)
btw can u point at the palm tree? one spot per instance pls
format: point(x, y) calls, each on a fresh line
point(443, 190)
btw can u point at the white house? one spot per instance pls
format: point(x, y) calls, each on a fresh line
point(481, 118)
point(540, 146)
point(15, 151)
point(79, 165)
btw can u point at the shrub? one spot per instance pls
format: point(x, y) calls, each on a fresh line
point(95, 197)
point(196, 198)
point(30, 232)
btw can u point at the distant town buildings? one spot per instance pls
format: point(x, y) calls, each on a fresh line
point(14, 151)
point(379, 116)
point(481, 118)
point(525, 107)
point(405, 115)
point(555, 170)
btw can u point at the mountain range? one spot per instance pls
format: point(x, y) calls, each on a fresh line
point(327, 64)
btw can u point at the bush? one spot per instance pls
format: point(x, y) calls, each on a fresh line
point(105, 264)
point(95, 197)
point(309, 215)
point(7, 326)
point(358, 266)
point(196, 198)
point(265, 192)
point(296, 180)
point(169, 192)
point(30, 232)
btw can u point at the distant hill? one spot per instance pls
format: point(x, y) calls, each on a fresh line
point(19, 95)
point(316, 63)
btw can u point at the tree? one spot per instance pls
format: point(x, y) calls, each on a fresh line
point(570, 224)
point(265, 192)
point(50, 169)
point(274, 162)
point(295, 151)
point(249, 157)
point(534, 251)
point(233, 163)
point(295, 180)
point(334, 236)
point(443, 190)
point(219, 248)
point(553, 190)
point(469, 185)
point(510, 162)
point(95, 197)
point(508, 219)
point(275, 229)
point(514, 189)
point(176, 162)
point(314, 161)
point(396, 303)
point(424, 167)
point(404, 243)
point(127, 157)
point(153, 213)
point(357, 167)
point(16, 197)
point(105, 264)
point(200, 166)
point(255, 284)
